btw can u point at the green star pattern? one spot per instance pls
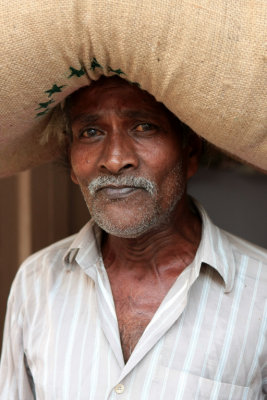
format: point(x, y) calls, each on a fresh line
point(42, 112)
point(95, 64)
point(76, 72)
point(45, 105)
point(54, 89)
point(116, 71)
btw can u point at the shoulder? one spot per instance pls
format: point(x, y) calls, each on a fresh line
point(40, 270)
point(50, 265)
point(53, 254)
point(231, 255)
point(35, 278)
point(242, 247)
point(250, 262)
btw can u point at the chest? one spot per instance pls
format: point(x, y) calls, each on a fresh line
point(135, 306)
point(68, 334)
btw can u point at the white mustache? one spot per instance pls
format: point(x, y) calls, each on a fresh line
point(131, 181)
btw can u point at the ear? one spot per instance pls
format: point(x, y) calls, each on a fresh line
point(72, 174)
point(73, 177)
point(194, 150)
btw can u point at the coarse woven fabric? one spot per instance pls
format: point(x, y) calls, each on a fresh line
point(205, 60)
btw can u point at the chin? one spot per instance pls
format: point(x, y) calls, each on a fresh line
point(127, 233)
point(131, 221)
point(124, 227)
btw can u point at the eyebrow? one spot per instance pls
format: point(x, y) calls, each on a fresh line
point(137, 114)
point(85, 118)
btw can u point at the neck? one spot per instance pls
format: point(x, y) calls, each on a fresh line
point(170, 246)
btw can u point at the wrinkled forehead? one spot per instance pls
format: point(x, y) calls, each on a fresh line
point(116, 92)
point(110, 88)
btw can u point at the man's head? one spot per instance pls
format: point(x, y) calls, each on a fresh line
point(128, 155)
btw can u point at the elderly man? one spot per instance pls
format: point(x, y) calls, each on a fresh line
point(149, 300)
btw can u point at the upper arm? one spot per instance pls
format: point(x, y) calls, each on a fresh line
point(14, 382)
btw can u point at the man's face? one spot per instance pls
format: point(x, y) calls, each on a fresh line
point(127, 157)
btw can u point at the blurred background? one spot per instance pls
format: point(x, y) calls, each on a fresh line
point(41, 206)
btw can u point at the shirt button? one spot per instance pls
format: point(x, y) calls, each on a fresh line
point(119, 388)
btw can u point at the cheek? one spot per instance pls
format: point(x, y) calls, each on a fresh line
point(82, 162)
point(162, 160)
point(174, 179)
point(167, 164)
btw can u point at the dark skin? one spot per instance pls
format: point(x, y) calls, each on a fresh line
point(120, 130)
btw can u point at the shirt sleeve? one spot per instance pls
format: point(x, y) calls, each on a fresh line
point(264, 381)
point(14, 381)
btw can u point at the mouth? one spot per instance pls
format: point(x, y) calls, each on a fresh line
point(118, 192)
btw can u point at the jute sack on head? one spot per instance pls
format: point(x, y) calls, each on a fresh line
point(205, 60)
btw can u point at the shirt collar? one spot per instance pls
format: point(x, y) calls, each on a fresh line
point(214, 249)
point(85, 248)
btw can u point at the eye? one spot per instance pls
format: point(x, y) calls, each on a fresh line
point(144, 127)
point(89, 133)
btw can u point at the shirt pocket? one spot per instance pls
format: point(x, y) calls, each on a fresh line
point(179, 385)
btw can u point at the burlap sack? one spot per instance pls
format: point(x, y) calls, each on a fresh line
point(206, 60)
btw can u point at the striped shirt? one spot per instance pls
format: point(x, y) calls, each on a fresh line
point(207, 340)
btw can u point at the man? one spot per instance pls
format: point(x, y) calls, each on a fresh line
point(149, 300)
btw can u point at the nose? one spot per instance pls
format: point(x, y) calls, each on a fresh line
point(118, 154)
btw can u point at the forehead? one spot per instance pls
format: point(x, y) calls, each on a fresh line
point(114, 94)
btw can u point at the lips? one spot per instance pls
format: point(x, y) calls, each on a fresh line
point(118, 192)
